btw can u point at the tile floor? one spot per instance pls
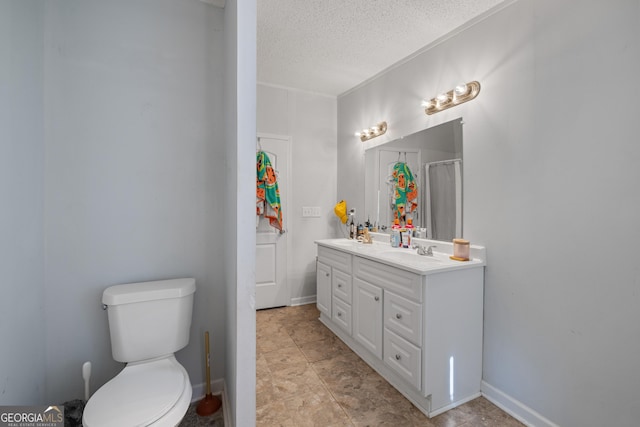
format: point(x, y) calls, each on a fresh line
point(192, 419)
point(308, 377)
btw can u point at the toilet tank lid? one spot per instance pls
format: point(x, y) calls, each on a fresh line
point(148, 291)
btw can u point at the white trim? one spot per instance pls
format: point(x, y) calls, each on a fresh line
point(454, 405)
point(513, 407)
point(226, 409)
point(199, 390)
point(296, 90)
point(309, 299)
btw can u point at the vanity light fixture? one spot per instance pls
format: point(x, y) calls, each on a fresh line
point(372, 132)
point(462, 93)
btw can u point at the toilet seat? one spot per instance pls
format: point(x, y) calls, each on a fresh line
point(142, 394)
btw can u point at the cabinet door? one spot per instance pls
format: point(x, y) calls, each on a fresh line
point(367, 316)
point(323, 291)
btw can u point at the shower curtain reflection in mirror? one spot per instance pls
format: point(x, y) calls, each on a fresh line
point(443, 196)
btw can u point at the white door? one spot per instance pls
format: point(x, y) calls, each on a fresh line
point(271, 245)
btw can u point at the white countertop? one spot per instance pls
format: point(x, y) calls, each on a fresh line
point(404, 258)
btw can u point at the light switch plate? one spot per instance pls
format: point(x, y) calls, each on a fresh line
point(310, 211)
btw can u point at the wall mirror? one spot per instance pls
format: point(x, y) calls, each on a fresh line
point(434, 156)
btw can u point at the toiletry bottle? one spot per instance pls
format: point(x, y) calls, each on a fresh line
point(352, 229)
point(360, 231)
point(395, 234)
point(405, 238)
point(410, 227)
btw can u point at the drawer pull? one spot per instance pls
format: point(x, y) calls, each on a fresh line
point(398, 316)
point(377, 298)
point(397, 357)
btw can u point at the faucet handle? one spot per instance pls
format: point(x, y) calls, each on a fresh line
point(430, 250)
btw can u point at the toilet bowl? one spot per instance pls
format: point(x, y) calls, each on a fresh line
point(148, 322)
point(154, 393)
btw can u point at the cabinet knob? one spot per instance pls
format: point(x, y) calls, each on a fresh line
point(339, 314)
point(339, 285)
point(326, 274)
point(397, 357)
point(398, 316)
point(377, 298)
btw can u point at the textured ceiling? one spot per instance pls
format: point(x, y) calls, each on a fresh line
point(331, 46)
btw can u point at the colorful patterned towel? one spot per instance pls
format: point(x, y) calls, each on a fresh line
point(267, 192)
point(406, 191)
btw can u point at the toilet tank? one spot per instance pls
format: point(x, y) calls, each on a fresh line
point(149, 319)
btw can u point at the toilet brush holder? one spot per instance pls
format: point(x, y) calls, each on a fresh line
point(209, 403)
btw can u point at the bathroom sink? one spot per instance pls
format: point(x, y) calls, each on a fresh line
point(347, 243)
point(408, 256)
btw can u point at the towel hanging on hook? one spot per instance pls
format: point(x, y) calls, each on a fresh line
point(267, 192)
point(405, 190)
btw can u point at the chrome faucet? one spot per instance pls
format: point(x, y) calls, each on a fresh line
point(425, 251)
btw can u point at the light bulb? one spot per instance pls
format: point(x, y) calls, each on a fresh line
point(461, 89)
point(443, 98)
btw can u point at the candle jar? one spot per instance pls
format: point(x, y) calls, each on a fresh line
point(461, 249)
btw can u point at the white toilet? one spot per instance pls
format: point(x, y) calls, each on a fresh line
point(148, 322)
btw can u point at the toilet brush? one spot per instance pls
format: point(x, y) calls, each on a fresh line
point(209, 403)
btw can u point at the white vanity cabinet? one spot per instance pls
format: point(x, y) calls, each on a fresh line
point(334, 291)
point(421, 329)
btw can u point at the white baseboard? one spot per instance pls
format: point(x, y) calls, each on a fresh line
point(513, 407)
point(311, 299)
point(217, 388)
point(199, 390)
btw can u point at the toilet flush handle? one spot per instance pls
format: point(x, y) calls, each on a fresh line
point(105, 306)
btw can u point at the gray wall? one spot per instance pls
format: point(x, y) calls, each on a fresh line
point(22, 358)
point(550, 176)
point(310, 120)
point(134, 173)
point(116, 131)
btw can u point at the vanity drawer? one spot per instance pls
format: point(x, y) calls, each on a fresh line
point(400, 281)
point(334, 258)
point(341, 283)
point(342, 314)
point(403, 317)
point(404, 358)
